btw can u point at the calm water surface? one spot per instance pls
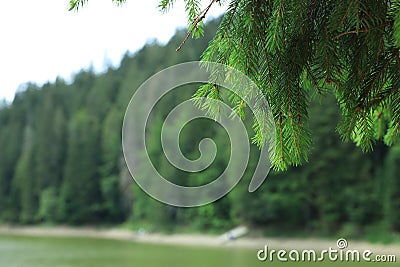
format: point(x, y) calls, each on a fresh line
point(17, 251)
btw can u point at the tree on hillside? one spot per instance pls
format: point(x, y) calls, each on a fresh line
point(23, 179)
point(295, 49)
point(80, 197)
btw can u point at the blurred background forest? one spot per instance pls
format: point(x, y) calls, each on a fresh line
point(61, 163)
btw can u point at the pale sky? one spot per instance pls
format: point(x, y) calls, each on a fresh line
point(41, 39)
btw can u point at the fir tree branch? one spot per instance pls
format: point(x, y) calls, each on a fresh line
point(196, 22)
point(312, 8)
point(387, 23)
point(266, 57)
point(313, 79)
point(282, 146)
point(345, 14)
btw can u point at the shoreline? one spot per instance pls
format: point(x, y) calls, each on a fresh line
point(199, 240)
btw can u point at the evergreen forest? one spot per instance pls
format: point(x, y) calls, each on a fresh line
point(61, 161)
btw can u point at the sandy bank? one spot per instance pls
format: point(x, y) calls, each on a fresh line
point(198, 239)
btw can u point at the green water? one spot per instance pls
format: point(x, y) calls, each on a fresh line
point(17, 251)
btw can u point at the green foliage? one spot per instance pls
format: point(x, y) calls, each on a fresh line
point(62, 162)
point(80, 191)
point(286, 46)
point(192, 8)
point(24, 172)
point(294, 49)
point(390, 189)
point(76, 4)
point(165, 5)
point(48, 205)
point(394, 11)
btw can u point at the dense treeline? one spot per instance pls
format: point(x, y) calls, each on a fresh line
point(61, 161)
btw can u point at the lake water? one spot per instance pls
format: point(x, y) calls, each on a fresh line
point(17, 251)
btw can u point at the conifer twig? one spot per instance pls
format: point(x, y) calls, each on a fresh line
point(387, 23)
point(195, 22)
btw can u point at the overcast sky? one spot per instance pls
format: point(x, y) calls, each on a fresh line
point(40, 40)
